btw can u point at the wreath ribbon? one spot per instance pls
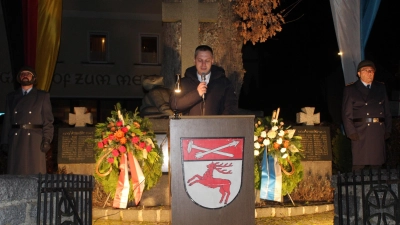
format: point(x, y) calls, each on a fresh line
point(137, 177)
point(271, 178)
point(100, 161)
point(122, 190)
point(291, 166)
point(128, 162)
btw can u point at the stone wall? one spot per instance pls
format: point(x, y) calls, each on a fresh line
point(60, 195)
point(18, 199)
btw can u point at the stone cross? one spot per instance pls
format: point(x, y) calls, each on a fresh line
point(190, 13)
point(307, 117)
point(81, 117)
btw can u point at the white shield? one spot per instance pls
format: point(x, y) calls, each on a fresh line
point(212, 170)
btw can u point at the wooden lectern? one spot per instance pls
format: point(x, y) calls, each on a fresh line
point(212, 170)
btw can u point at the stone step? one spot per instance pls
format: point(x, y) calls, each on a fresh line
point(155, 207)
point(163, 213)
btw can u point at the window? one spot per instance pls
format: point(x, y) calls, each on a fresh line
point(149, 49)
point(98, 44)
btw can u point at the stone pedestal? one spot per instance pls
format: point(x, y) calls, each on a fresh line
point(160, 125)
point(159, 195)
point(81, 168)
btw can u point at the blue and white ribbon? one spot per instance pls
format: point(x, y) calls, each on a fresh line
point(271, 178)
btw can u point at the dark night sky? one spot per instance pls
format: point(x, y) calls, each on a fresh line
point(299, 67)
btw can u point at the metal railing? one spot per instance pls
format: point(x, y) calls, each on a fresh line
point(64, 199)
point(369, 196)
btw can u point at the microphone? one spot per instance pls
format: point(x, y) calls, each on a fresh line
point(203, 79)
point(177, 91)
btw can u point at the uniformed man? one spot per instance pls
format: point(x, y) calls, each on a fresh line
point(366, 117)
point(27, 126)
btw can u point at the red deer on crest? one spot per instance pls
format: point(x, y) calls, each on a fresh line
point(209, 181)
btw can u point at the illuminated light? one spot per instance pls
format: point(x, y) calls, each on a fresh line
point(177, 84)
point(340, 53)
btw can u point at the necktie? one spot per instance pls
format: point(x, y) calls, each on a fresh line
point(369, 86)
point(25, 93)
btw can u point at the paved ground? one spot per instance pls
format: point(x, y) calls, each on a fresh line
point(325, 218)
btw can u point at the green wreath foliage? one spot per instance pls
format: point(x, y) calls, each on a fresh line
point(126, 132)
point(282, 144)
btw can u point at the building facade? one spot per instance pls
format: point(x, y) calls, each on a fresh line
point(105, 49)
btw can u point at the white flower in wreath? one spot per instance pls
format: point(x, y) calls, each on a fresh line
point(256, 152)
point(291, 133)
point(283, 150)
point(279, 141)
point(266, 141)
point(293, 148)
point(257, 145)
point(281, 133)
point(285, 156)
point(274, 128)
point(263, 134)
point(271, 134)
point(255, 138)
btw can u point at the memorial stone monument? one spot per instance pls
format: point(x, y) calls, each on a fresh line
point(75, 152)
point(316, 143)
point(81, 117)
point(307, 116)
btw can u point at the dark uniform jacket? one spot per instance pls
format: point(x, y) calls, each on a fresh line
point(220, 98)
point(24, 154)
point(360, 106)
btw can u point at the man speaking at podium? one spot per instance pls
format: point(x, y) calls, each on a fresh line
point(205, 88)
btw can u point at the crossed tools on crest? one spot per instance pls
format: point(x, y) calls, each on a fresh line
point(208, 151)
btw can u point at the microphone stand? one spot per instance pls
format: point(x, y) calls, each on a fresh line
point(177, 90)
point(203, 79)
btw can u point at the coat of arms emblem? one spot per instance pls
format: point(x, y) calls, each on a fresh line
point(212, 169)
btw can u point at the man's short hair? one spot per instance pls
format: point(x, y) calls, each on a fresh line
point(203, 48)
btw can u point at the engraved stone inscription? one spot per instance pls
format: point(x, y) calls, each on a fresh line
point(316, 142)
point(73, 145)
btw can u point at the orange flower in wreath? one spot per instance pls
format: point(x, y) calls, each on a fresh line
point(122, 140)
point(119, 134)
point(286, 143)
point(136, 124)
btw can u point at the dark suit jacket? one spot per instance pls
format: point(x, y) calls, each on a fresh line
point(361, 102)
point(24, 154)
point(220, 98)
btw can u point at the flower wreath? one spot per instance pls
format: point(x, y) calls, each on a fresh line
point(280, 142)
point(126, 136)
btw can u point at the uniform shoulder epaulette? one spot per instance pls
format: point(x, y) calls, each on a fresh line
point(349, 83)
